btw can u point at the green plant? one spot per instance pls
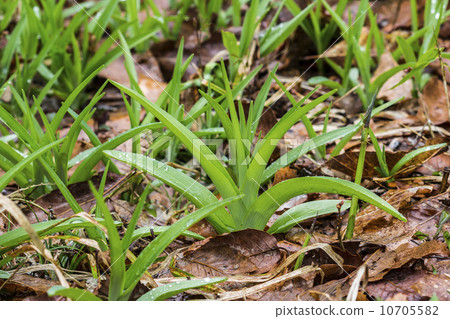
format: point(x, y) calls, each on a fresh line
point(351, 33)
point(64, 54)
point(421, 55)
point(239, 53)
point(383, 169)
point(168, 100)
point(41, 166)
point(433, 18)
point(320, 34)
point(122, 280)
point(44, 230)
point(248, 166)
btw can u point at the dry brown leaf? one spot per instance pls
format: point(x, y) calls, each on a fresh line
point(243, 252)
point(375, 226)
point(435, 164)
point(393, 16)
point(347, 163)
point(284, 174)
point(24, 284)
point(381, 263)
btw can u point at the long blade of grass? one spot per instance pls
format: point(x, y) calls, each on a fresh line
point(167, 291)
point(17, 236)
point(304, 211)
point(266, 204)
point(75, 294)
point(116, 251)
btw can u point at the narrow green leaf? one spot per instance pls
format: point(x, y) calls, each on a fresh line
point(169, 290)
point(304, 211)
point(266, 204)
point(17, 236)
point(116, 251)
point(9, 175)
point(156, 230)
point(76, 294)
point(405, 159)
point(282, 31)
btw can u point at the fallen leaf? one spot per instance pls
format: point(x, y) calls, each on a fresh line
point(381, 263)
point(203, 228)
point(243, 252)
point(373, 225)
point(26, 284)
point(396, 14)
point(435, 164)
point(288, 290)
point(284, 174)
point(347, 162)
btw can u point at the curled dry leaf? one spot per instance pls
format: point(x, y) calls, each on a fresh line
point(376, 227)
point(243, 252)
point(381, 263)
